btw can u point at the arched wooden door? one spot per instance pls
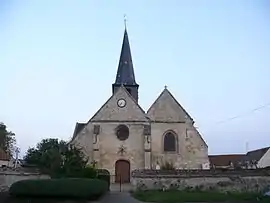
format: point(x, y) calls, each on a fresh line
point(122, 171)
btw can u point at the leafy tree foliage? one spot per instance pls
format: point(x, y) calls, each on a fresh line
point(7, 139)
point(56, 157)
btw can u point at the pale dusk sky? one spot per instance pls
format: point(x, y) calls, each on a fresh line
point(58, 60)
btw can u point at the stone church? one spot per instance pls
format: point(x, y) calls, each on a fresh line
point(121, 136)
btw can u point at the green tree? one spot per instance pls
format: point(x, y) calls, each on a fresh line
point(7, 139)
point(56, 157)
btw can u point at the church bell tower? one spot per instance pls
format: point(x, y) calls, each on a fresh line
point(125, 73)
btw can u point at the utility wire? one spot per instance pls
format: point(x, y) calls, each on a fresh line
point(244, 114)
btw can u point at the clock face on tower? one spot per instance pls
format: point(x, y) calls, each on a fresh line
point(121, 103)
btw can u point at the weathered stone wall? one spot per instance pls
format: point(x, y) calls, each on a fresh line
point(104, 147)
point(84, 141)
point(109, 145)
point(140, 150)
point(224, 181)
point(191, 150)
point(166, 115)
point(7, 178)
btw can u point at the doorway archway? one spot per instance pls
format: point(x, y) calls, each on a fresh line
point(122, 171)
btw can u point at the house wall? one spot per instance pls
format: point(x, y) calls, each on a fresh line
point(6, 163)
point(265, 160)
point(7, 178)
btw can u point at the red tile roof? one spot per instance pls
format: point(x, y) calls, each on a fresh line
point(225, 160)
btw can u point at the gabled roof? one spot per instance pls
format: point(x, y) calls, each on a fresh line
point(78, 128)
point(132, 98)
point(129, 95)
point(256, 155)
point(125, 73)
point(200, 136)
point(167, 91)
point(226, 159)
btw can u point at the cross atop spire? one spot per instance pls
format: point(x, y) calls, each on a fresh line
point(125, 21)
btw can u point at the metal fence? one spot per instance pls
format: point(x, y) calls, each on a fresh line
point(119, 186)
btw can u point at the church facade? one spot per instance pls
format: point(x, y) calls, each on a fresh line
point(122, 137)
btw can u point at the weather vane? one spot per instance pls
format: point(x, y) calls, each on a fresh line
point(125, 20)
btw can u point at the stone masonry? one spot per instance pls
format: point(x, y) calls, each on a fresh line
point(223, 181)
point(163, 134)
point(140, 150)
point(7, 178)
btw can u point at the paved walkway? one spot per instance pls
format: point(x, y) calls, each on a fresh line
point(115, 187)
point(118, 197)
point(118, 194)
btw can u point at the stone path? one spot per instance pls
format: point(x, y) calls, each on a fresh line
point(118, 197)
point(118, 194)
point(115, 187)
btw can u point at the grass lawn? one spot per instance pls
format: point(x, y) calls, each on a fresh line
point(184, 196)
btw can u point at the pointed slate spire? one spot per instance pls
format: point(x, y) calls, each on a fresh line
point(125, 73)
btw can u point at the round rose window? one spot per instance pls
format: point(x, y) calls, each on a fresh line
point(122, 132)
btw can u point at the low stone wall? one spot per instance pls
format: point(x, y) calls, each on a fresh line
point(220, 180)
point(7, 178)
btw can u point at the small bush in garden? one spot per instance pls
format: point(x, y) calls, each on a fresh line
point(167, 166)
point(62, 188)
point(104, 174)
point(89, 172)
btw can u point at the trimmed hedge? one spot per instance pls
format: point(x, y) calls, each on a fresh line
point(62, 188)
point(87, 172)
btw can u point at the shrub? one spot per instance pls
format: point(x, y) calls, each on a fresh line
point(167, 166)
point(89, 172)
point(62, 188)
point(104, 174)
